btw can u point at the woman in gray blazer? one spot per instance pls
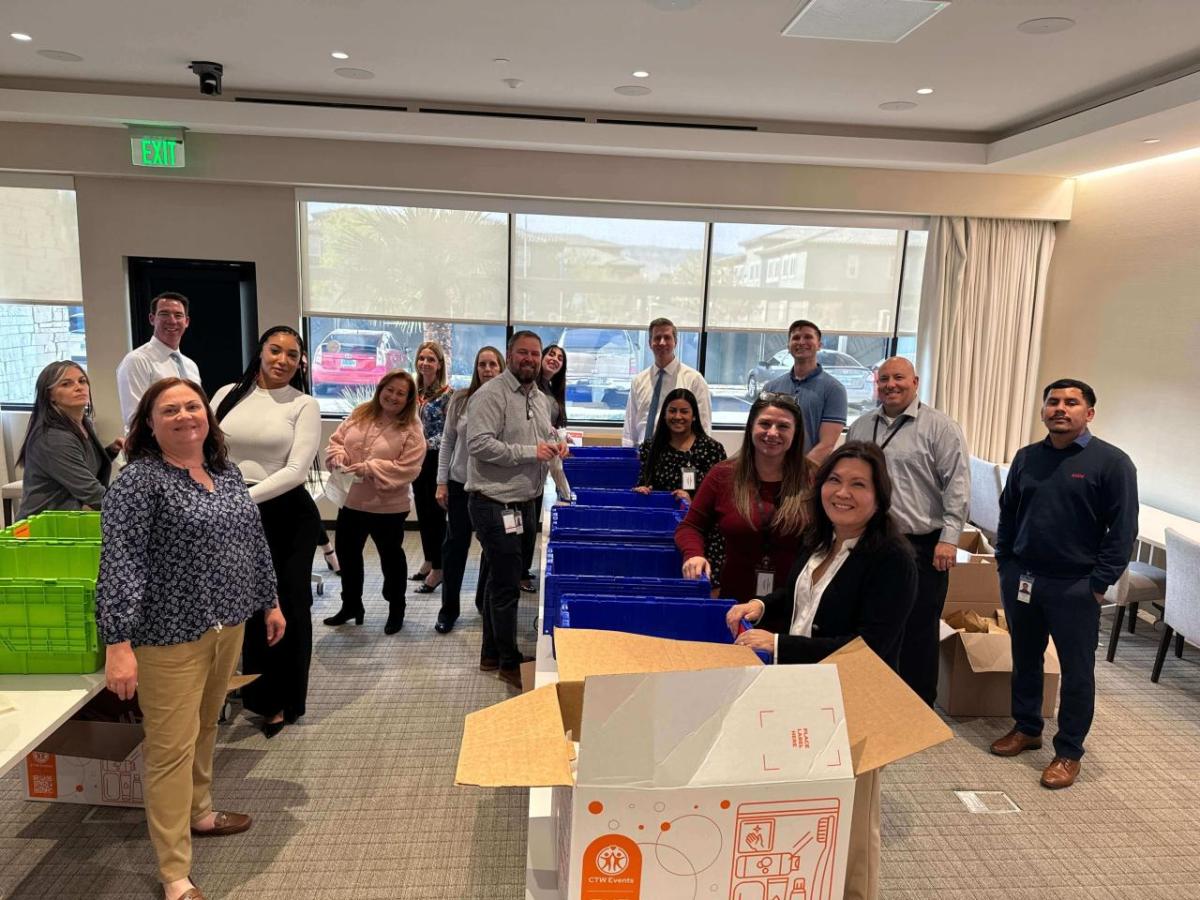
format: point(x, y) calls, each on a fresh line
point(65, 465)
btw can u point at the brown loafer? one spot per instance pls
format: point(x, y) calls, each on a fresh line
point(1016, 742)
point(225, 823)
point(192, 893)
point(1061, 773)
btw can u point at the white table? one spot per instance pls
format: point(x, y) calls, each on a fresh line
point(43, 702)
point(1153, 524)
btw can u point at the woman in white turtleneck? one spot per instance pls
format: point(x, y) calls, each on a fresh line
point(272, 428)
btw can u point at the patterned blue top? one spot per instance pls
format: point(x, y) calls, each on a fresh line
point(177, 560)
point(433, 417)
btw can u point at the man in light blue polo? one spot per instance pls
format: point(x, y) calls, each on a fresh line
point(820, 396)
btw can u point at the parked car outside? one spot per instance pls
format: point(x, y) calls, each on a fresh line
point(350, 358)
point(601, 363)
point(853, 375)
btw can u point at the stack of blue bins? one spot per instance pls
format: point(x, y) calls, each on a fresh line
point(612, 563)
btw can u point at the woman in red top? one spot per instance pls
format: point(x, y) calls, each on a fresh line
point(756, 500)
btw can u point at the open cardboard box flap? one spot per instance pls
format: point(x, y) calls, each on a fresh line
point(993, 653)
point(523, 742)
point(885, 720)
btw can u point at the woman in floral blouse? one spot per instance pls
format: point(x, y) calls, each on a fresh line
point(183, 565)
point(678, 456)
point(433, 394)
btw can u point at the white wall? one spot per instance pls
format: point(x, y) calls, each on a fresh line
point(1123, 314)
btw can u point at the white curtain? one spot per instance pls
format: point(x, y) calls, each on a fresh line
point(980, 327)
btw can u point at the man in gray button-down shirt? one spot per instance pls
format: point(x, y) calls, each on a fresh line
point(927, 459)
point(510, 443)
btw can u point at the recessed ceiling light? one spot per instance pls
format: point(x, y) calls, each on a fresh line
point(632, 90)
point(641, 73)
point(897, 105)
point(1151, 140)
point(20, 36)
point(354, 74)
point(60, 55)
point(1047, 25)
point(924, 90)
point(340, 54)
point(513, 83)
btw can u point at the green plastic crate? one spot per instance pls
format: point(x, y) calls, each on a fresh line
point(48, 626)
point(81, 525)
point(49, 559)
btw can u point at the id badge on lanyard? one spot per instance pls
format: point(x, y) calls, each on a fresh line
point(1025, 588)
point(512, 521)
point(688, 477)
point(764, 578)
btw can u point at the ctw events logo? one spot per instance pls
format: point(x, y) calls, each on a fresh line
point(612, 860)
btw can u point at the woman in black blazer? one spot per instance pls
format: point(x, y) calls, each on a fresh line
point(854, 576)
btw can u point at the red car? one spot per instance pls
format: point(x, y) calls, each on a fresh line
point(348, 358)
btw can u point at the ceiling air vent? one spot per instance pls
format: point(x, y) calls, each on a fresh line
point(882, 21)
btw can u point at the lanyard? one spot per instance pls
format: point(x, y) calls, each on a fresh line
point(764, 522)
point(892, 432)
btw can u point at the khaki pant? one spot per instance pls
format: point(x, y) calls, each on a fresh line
point(862, 855)
point(181, 688)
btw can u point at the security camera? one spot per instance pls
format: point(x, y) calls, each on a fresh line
point(209, 74)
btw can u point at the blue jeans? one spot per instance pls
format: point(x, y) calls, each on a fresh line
point(1064, 609)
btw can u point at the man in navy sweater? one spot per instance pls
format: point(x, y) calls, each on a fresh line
point(1068, 520)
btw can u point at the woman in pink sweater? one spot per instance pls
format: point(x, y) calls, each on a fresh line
point(383, 444)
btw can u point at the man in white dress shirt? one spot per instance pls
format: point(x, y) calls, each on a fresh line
point(159, 357)
point(651, 385)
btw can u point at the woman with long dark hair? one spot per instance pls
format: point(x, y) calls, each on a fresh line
point(433, 395)
point(381, 444)
point(183, 566)
point(65, 466)
point(272, 427)
point(452, 493)
point(755, 500)
point(679, 453)
point(854, 576)
point(552, 381)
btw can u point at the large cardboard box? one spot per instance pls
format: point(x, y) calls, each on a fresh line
point(94, 762)
point(975, 675)
point(699, 772)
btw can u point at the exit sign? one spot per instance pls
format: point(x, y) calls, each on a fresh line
point(157, 152)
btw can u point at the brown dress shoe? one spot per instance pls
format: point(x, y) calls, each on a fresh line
point(489, 664)
point(192, 893)
point(1016, 742)
point(225, 823)
point(1061, 773)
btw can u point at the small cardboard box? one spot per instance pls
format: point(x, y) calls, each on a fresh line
point(974, 584)
point(93, 762)
point(700, 771)
point(975, 674)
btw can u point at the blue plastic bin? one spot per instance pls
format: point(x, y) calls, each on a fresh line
point(621, 570)
point(679, 618)
point(596, 452)
point(601, 472)
point(625, 498)
point(595, 524)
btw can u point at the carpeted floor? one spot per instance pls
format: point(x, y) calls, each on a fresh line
point(358, 800)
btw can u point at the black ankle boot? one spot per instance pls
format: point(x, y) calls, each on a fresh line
point(345, 614)
point(395, 619)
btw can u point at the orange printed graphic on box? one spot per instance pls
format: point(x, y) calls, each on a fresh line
point(612, 869)
point(43, 775)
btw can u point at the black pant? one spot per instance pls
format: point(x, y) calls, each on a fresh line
point(503, 588)
point(387, 531)
point(529, 539)
point(431, 518)
point(919, 645)
point(290, 522)
point(455, 549)
point(1066, 610)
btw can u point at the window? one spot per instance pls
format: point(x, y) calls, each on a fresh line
point(40, 317)
point(349, 356)
point(844, 279)
point(601, 363)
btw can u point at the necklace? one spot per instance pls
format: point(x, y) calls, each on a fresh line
point(180, 464)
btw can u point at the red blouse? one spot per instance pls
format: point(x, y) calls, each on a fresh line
point(746, 543)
